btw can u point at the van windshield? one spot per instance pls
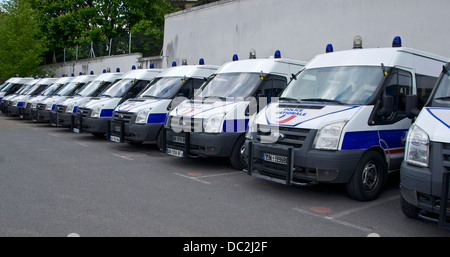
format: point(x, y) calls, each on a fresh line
point(119, 88)
point(164, 88)
point(70, 89)
point(52, 89)
point(343, 85)
point(93, 88)
point(230, 85)
point(441, 96)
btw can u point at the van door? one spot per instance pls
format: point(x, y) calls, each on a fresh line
point(393, 127)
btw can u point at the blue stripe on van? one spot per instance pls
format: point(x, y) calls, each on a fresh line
point(366, 139)
point(235, 125)
point(106, 113)
point(157, 118)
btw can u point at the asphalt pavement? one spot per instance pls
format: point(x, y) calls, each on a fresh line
point(56, 183)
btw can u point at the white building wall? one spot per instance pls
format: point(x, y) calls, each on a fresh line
point(300, 29)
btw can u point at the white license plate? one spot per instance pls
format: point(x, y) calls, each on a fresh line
point(178, 139)
point(175, 152)
point(115, 139)
point(275, 158)
point(76, 130)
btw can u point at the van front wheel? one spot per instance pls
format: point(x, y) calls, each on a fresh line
point(237, 159)
point(368, 178)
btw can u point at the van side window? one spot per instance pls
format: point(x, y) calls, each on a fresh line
point(398, 85)
point(425, 85)
point(272, 86)
point(136, 89)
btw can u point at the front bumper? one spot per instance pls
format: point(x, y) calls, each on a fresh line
point(59, 119)
point(120, 131)
point(290, 166)
point(198, 144)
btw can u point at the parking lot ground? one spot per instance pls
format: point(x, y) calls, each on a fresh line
point(56, 183)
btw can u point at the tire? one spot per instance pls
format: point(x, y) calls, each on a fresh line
point(368, 178)
point(98, 134)
point(408, 209)
point(159, 141)
point(237, 159)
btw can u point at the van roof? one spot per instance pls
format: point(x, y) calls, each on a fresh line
point(190, 71)
point(142, 74)
point(258, 65)
point(390, 57)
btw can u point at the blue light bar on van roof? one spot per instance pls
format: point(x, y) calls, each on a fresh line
point(397, 42)
point(235, 57)
point(133, 67)
point(174, 63)
point(201, 61)
point(277, 54)
point(118, 70)
point(329, 48)
point(152, 65)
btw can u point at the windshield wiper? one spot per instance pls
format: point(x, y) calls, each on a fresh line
point(290, 99)
point(444, 98)
point(321, 100)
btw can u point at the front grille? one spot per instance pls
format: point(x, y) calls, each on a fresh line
point(123, 116)
point(446, 156)
point(40, 107)
point(83, 112)
point(295, 137)
point(60, 108)
point(185, 124)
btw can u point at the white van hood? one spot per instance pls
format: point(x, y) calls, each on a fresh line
point(209, 108)
point(436, 123)
point(106, 102)
point(310, 116)
point(136, 105)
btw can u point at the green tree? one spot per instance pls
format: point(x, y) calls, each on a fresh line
point(21, 42)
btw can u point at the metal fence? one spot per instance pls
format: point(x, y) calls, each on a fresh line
point(148, 43)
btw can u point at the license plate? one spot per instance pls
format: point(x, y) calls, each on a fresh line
point(175, 152)
point(178, 139)
point(275, 158)
point(115, 139)
point(76, 130)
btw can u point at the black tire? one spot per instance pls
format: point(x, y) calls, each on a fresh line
point(368, 178)
point(408, 209)
point(159, 141)
point(237, 159)
point(135, 142)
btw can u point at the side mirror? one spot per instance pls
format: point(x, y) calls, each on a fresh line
point(388, 106)
point(412, 109)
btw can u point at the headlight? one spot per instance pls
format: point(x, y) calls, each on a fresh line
point(69, 108)
point(213, 124)
point(96, 112)
point(33, 105)
point(14, 103)
point(417, 147)
point(251, 127)
point(328, 137)
point(48, 107)
point(142, 116)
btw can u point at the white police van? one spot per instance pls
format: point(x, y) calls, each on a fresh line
point(30, 106)
point(14, 85)
point(213, 124)
point(342, 120)
point(424, 174)
point(93, 117)
point(7, 101)
point(64, 111)
point(141, 119)
point(46, 106)
point(39, 85)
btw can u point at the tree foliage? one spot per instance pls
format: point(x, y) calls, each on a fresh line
point(29, 28)
point(21, 42)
